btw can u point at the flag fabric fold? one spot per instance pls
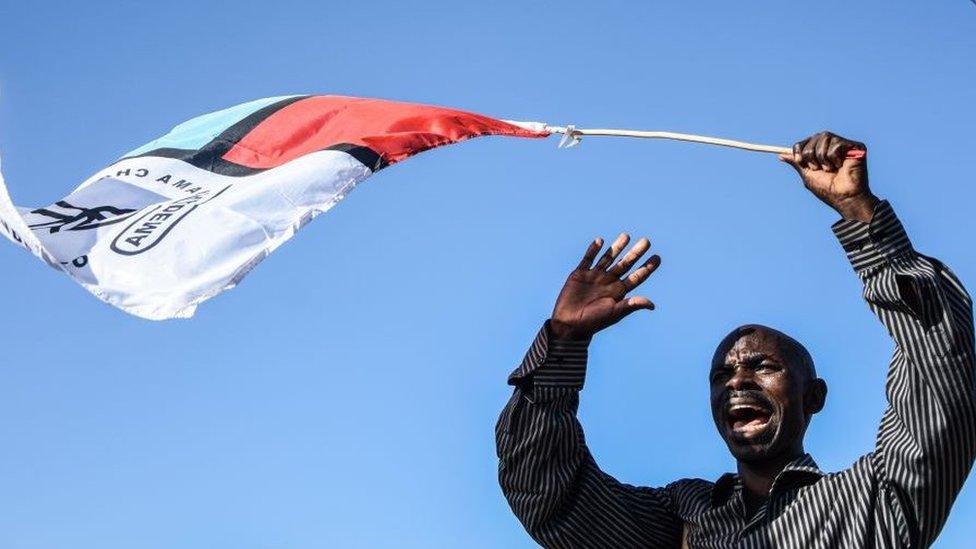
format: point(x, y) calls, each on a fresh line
point(188, 215)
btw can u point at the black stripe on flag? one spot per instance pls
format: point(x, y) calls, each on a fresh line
point(210, 156)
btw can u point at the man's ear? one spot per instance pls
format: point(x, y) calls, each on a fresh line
point(815, 396)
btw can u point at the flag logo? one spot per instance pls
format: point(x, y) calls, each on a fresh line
point(78, 218)
point(150, 228)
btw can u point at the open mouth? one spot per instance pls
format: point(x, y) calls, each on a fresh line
point(747, 417)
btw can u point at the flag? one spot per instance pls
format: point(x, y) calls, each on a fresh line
point(187, 216)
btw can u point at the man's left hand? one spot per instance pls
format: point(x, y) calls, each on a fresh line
point(841, 182)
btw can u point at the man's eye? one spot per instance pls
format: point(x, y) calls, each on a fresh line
point(719, 376)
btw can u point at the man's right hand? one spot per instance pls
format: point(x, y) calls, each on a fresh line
point(595, 296)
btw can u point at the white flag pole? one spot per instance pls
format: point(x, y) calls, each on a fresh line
point(573, 134)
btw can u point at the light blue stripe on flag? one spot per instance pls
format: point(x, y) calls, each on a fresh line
point(199, 131)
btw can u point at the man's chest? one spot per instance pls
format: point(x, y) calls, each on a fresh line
point(809, 516)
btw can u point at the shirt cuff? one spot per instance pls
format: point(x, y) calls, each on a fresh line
point(552, 363)
point(870, 244)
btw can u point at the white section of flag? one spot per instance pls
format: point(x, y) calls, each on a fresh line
point(157, 236)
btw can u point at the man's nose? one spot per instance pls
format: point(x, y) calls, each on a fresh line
point(741, 379)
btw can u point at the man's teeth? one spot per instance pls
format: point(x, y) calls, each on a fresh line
point(748, 417)
point(747, 407)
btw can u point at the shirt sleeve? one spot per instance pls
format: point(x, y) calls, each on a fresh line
point(926, 442)
point(548, 474)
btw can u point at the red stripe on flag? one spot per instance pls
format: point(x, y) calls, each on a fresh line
point(394, 130)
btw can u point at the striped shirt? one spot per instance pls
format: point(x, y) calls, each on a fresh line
point(898, 495)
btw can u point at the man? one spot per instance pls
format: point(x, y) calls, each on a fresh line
point(764, 391)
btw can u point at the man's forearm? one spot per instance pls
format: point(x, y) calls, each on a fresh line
point(549, 476)
point(927, 439)
point(537, 434)
point(858, 208)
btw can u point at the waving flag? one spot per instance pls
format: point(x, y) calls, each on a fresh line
point(185, 217)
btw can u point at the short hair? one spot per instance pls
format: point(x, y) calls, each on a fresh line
point(795, 352)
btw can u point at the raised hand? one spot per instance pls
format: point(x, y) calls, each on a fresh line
point(841, 182)
point(595, 296)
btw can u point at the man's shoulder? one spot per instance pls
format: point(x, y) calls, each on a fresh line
point(864, 468)
point(691, 484)
point(689, 495)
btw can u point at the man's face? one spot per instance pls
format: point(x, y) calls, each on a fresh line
point(758, 380)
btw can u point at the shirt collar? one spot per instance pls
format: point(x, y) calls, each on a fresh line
point(802, 471)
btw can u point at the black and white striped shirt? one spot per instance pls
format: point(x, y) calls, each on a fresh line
point(899, 495)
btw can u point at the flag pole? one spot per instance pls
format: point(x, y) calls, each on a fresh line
point(572, 136)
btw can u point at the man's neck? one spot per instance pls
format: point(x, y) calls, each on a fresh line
point(757, 477)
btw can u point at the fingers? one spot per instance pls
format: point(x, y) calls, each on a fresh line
point(836, 153)
point(639, 302)
point(591, 251)
point(808, 154)
point(820, 152)
point(635, 253)
point(791, 159)
point(640, 274)
point(626, 306)
point(823, 151)
point(798, 152)
point(613, 251)
point(631, 304)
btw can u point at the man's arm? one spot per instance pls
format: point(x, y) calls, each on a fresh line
point(927, 439)
point(545, 470)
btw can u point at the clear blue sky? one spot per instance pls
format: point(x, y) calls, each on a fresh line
point(345, 394)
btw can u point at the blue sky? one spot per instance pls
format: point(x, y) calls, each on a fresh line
point(345, 394)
